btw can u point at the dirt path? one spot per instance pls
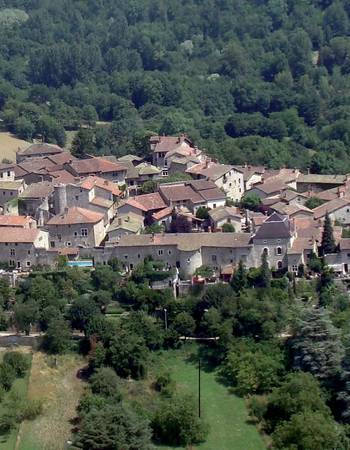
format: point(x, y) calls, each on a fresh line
point(60, 390)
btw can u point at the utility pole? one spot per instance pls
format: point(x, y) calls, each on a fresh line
point(199, 387)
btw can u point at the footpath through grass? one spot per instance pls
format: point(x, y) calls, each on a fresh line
point(225, 413)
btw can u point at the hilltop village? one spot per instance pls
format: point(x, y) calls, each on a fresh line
point(178, 206)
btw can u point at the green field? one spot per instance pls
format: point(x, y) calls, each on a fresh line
point(8, 441)
point(226, 413)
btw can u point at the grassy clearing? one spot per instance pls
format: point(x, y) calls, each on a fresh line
point(8, 442)
point(60, 390)
point(9, 146)
point(224, 412)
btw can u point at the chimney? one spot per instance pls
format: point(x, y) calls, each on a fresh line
point(119, 221)
point(341, 192)
point(308, 170)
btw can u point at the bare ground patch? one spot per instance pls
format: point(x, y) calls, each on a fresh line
point(60, 390)
point(9, 146)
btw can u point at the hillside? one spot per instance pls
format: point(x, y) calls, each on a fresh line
point(263, 81)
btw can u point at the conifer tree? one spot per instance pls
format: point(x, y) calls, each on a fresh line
point(265, 271)
point(239, 279)
point(328, 242)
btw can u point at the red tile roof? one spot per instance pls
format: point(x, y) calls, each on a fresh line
point(148, 202)
point(92, 181)
point(39, 149)
point(95, 165)
point(76, 215)
point(162, 213)
point(168, 143)
point(14, 221)
point(19, 235)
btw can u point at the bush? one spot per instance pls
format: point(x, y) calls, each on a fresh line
point(177, 422)
point(7, 376)
point(105, 382)
point(18, 361)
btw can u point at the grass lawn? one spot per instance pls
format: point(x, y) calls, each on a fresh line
point(226, 413)
point(8, 442)
point(60, 390)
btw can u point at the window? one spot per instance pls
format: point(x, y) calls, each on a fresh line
point(77, 197)
point(228, 220)
point(278, 241)
point(294, 268)
point(59, 237)
point(11, 263)
point(213, 258)
point(52, 244)
point(28, 264)
point(84, 232)
point(139, 256)
point(68, 244)
point(131, 266)
point(188, 260)
point(12, 252)
point(1, 175)
point(75, 233)
point(278, 251)
point(126, 256)
point(266, 251)
point(279, 264)
point(169, 252)
point(265, 241)
point(214, 205)
point(28, 252)
point(160, 252)
point(348, 210)
point(165, 173)
point(8, 173)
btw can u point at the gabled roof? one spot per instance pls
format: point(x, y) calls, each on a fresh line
point(330, 207)
point(180, 193)
point(147, 202)
point(162, 213)
point(147, 169)
point(274, 227)
point(130, 158)
point(19, 235)
point(38, 190)
point(200, 185)
point(92, 181)
point(14, 221)
point(62, 176)
point(10, 185)
point(130, 222)
point(95, 165)
point(223, 212)
point(165, 144)
point(40, 149)
point(212, 171)
point(76, 215)
point(270, 187)
point(312, 178)
point(212, 194)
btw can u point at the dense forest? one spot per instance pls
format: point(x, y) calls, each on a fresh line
point(259, 81)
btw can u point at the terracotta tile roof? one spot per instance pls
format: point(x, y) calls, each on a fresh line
point(148, 202)
point(178, 193)
point(14, 221)
point(38, 190)
point(39, 149)
point(321, 179)
point(131, 158)
point(19, 235)
point(168, 143)
point(249, 171)
point(212, 171)
point(147, 169)
point(331, 206)
point(62, 176)
point(344, 244)
point(223, 212)
point(130, 222)
point(201, 185)
point(300, 244)
point(76, 215)
point(290, 210)
point(92, 181)
point(162, 213)
point(95, 165)
point(4, 167)
point(212, 194)
point(61, 158)
point(187, 241)
point(270, 187)
point(103, 202)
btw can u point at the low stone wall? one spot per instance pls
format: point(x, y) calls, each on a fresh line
point(17, 340)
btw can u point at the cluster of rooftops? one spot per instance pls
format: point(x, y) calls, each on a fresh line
point(59, 204)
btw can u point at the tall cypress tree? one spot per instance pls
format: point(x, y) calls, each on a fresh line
point(239, 279)
point(328, 242)
point(265, 271)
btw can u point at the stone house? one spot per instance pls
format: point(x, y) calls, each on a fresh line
point(37, 201)
point(10, 190)
point(19, 246)
point(38, 151)
point(225, 214)
point(338, 210)
point(93, 193)
point(161, 146)
point(101, 167)
point(227, 178)
point(17, 222)
point(319, 182)
point(124, 225)
point(7, 172)
point(76, 227)
point(144, 205)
